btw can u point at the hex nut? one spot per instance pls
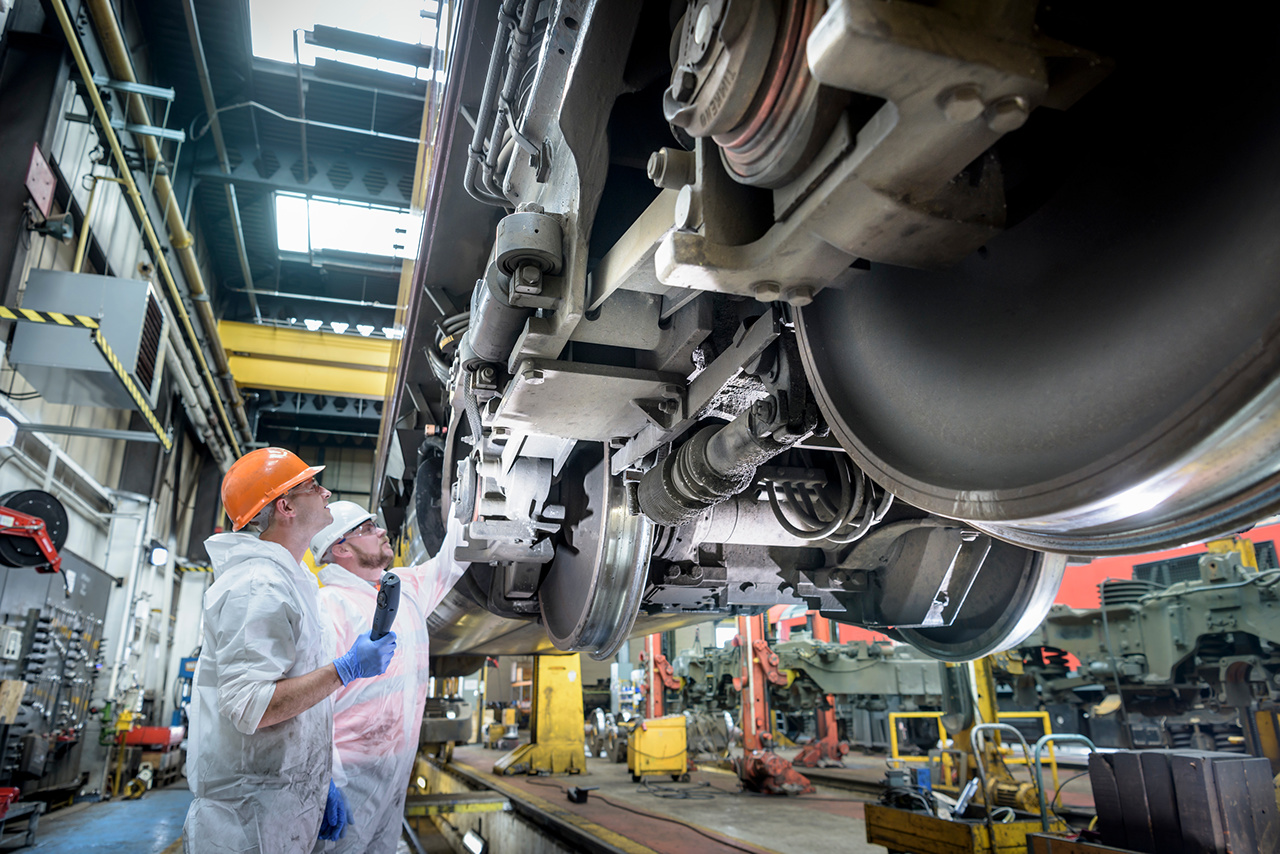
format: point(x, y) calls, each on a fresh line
point(533, 377)
point(799, 295)
point(961, 103)
point(682, 85)
point(767, 291)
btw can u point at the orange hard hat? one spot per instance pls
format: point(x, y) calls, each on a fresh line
point(258, 478)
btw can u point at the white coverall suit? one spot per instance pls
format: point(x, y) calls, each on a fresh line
point(377, 721)
point(257, 790)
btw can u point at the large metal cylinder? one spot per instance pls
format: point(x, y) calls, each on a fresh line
point(495, 323)
point(717, 463)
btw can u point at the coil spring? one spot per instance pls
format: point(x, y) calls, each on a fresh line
point(1123, 592)
point(1228, 738)
point(1214, 646)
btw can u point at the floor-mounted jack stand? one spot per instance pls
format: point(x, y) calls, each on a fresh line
point(760, 769)
point(556, 740)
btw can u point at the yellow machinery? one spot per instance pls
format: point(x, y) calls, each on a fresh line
point(978, 764)
point(556, 744)
point(658, 746)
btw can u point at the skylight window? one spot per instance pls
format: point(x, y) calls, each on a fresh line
point(312, 225)
point(272, 24)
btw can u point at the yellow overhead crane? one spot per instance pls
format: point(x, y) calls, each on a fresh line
point(303, 361)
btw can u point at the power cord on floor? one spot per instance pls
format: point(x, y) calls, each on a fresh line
point(672, 793)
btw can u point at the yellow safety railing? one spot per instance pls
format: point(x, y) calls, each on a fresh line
point(944, 740)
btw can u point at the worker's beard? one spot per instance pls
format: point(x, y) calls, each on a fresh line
point(372, 560)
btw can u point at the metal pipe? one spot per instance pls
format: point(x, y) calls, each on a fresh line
point(83, 242)
point(181, 240)
point(95, 432)
point(195, 397)
point(302, 110)
point(224, 162)
point(314, 298)
point(484, 116)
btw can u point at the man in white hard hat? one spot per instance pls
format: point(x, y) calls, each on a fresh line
point(376, 721)
point(260, 750)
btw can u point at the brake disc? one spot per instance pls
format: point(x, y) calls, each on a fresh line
point(591, 593)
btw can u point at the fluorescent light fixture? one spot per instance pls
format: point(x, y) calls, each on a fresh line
point(338, 326)
point(312, 324)
point(8, 431)
point(364, 329)
point(159, 555)
point(393, 333)
point(475, 843)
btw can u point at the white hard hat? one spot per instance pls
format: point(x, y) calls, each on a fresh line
point(346, 516)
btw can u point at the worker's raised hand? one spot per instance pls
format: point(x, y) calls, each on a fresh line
point(366, 657)
point(336, 817)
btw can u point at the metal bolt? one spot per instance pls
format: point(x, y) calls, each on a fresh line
point(702, 26)
point(763, 410)
point(1008, 114)
point(767, 291)
point(683, 84)
point(487, 374)
point(961, 103)
point(534, 377)
point(669, 406)
point(671, 170)
point(799, 295)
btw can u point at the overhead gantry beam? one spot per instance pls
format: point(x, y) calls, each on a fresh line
point(351, 178)
point(277, 359)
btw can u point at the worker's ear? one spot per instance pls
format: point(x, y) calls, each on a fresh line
point(285, 508)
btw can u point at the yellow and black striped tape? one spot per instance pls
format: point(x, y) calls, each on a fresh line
point(131, 387)
point(86, 322)
point(60, 319)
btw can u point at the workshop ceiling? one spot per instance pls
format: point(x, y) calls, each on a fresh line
point(367, 157)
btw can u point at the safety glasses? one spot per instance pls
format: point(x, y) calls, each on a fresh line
point(362, 530)
point(310, 486)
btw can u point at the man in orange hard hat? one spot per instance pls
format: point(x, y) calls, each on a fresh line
point(260, 754)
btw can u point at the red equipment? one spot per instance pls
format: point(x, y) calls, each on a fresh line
point(33, 526)
point(15, 524)
point(760, 769)
point(659, 675)
point(827, 749)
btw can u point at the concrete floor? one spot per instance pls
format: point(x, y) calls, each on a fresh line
point(150, 825)
point(828, 820)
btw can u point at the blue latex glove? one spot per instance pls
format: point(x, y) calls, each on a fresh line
point(336, 817)
point(366, 657)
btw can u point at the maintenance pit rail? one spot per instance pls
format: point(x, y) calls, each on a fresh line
point(446, 803)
